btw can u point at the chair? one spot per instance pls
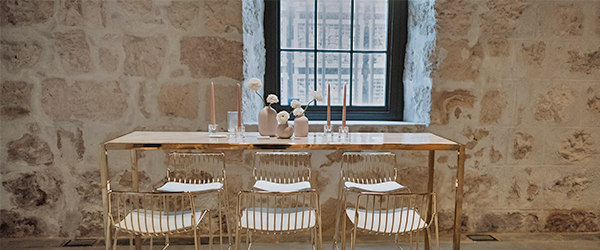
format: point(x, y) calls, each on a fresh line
point(393, 213)
point(200, 173)
point(281, 171)
point(278, 212)
point(154, 214)
point(365, 171)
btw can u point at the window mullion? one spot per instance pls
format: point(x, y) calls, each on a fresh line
point(350, 82)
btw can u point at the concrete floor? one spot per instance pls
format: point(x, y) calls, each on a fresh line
point(532, 241)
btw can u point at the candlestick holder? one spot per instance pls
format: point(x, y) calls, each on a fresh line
point(239, 132)
point(212, 129)
point(344, 131)
point(328, 130)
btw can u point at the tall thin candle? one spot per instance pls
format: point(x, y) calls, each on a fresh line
point(239, 106)
point(328, 105)
point(213, 120)
point(344, 109)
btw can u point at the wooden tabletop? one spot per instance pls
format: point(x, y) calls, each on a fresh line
point(148, 140)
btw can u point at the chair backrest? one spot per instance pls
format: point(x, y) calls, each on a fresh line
point(368, 167)
point(278, 211)
point(153, 214)
point(393, 213)
point(196, 168)
point(282, 167)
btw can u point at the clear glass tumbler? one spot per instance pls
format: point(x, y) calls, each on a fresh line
point(231, 121)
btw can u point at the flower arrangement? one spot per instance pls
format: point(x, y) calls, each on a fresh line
point(298, 110)
point(255, 84)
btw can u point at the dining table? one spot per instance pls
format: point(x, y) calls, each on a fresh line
point(355, 141)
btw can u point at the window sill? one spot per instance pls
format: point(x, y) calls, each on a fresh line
point(359, 123)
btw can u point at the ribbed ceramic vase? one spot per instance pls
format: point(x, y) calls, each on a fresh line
point(301, 126)
point(267, 122)
point(285, 130)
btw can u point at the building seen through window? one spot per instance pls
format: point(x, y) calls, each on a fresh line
point(337, 43)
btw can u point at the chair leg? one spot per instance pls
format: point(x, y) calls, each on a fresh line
point(353, 238)
point(337, 216)
point(196, 241)
point(437, 233)
point(131, 241)
point(115, 239)
point(210, 233)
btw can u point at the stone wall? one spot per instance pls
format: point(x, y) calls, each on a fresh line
point(516, 81)
point(519, 81)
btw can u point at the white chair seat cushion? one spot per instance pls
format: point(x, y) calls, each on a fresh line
point(186, 187)
point(378, 187)
point(397, 220)
point(279, 187)
point(147, 221)
point(277, 219)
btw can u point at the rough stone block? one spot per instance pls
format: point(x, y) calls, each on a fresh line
point(182, 13)
point(15, 99)
point(179, 101)
point(16, 226)
point(74, 51)
point(572, 221)
point(531, 59)
point(522, 146)
point(33, 190)
point(507, 222)
point(577, 147)
point(552, 105)
point(493, 104)
point(445, 102)
point(87, 12)
point(108, 60)
point(584, 62)
point(576, 60)
point(138, 7)
point(144, 56)
point(77, 144)
point(503, 16)
point(454, 17)
point(20, 55)
point(25, 12)
point(210, 57)
point(31, 149)
point(83, 100)
point(223, 16)
point(457, 60)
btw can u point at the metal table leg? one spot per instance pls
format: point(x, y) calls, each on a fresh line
point(460, 174)
point(104, 183)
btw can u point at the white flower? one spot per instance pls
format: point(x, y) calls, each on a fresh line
point(298, 111)
point(272, 99)
point(316, 95)
point(295, 104)
point(254, 84)
point(283, 116)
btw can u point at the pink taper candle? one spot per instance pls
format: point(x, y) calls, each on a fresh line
point(239, 105)
point(344, 109)
point(328, 105)
point(213, 120)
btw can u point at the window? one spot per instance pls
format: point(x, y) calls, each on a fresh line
point(361, 43)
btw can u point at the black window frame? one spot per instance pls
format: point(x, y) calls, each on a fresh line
point(397, 37)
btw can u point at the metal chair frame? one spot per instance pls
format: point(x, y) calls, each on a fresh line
point(282, 167)
point(136, 213)
point(279, 212)
point(363, 168)
point(203, 168)
point(412, 212)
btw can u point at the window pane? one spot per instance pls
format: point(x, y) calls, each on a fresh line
point(333, 24)
point(297, 76)
point(368, 81)
point(297, 24)
point(334, 69)
point(370, 24)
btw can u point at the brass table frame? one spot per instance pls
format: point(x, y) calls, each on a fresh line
point(148, 140)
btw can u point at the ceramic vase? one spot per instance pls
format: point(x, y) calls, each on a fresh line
point(301, 126)
point(285, 130)
point(267, 122)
